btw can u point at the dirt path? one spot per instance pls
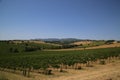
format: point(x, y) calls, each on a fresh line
point(95, 75)
point(105, 72)
point(109, 71)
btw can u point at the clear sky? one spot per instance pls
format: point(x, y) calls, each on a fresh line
point(84, 19)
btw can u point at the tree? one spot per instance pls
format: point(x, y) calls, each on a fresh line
point(11, 49)
point(109, 41)
point(29, 48)
point(15, 50)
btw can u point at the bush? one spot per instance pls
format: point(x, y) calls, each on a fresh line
point(15, 50)
point(78, 68)
point(102, 62)
point(29, 49)
point(47, 72)
point(109, 41)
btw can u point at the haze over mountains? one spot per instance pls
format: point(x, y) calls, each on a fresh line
point(57, 39)
point(65, 39)
point(62, 39)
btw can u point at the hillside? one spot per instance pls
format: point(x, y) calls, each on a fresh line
point(37, 60)
point(11, 64)
point(89, 47)
point(16, 46)
point(82, 43)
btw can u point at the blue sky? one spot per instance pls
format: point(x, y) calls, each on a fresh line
point(84, 19)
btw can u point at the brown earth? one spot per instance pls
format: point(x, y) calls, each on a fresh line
point(95, 47)
point(109, 71)
point(106, 46)
point(82, 42)
point(33, 41)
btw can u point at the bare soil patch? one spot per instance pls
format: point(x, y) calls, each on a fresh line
point(95, 47)
point(110, 71)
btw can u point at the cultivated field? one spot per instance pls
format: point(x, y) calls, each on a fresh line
point(26, 61)
point(110, 71)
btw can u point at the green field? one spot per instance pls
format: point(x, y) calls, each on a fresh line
point(50, 59)
point(8, 47)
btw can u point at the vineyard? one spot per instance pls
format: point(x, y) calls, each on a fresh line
point(44, 62)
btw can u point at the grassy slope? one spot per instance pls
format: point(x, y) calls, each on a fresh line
point(5, 46)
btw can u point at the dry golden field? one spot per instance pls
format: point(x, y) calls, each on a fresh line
point(109, 71)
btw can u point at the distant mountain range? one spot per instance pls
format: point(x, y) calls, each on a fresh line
point(62, 39)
